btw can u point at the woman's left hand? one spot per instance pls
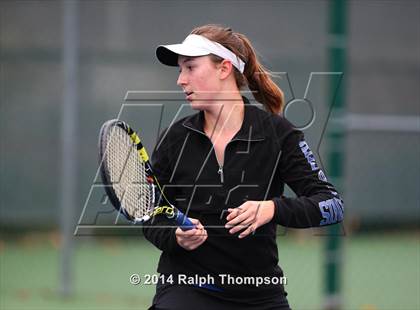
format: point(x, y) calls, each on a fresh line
point(249, 216)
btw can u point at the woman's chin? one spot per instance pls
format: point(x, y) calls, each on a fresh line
point(199, 105)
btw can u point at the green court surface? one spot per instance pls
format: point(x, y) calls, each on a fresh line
point(381, 271)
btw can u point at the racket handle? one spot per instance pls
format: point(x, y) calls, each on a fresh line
point(183, 222)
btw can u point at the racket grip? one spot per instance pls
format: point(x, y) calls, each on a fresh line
point(183, 222)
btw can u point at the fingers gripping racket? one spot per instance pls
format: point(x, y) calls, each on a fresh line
point(129, 181)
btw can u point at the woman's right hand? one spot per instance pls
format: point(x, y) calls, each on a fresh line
point(193, 238)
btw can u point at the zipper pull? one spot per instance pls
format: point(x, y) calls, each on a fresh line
point(221, 173)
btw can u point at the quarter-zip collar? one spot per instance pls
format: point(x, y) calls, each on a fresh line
point(251, 128)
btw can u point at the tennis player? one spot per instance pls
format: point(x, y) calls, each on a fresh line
point(226, 166)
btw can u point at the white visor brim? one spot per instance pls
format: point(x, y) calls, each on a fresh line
point(168, 54)
point(193, 46)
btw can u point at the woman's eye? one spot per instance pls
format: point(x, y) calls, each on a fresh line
point(188, 67)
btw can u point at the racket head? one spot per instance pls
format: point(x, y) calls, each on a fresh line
point(125, 171)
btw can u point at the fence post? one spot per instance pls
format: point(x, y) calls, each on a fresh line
point(337, 40)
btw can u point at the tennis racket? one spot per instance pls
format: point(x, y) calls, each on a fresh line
point(127, 174)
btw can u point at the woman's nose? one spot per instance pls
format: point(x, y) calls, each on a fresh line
point(181, 80)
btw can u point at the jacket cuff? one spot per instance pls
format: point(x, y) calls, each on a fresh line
point(173, 245)
point(280, 216)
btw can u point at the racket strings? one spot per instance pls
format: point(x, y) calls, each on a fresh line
point(128, 174)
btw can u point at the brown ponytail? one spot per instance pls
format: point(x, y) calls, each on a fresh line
point(255, 76)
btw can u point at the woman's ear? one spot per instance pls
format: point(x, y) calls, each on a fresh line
point(225, 69)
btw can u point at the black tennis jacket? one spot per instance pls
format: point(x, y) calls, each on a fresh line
point(265, 154)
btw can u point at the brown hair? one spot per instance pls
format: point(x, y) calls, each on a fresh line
point(255, 75)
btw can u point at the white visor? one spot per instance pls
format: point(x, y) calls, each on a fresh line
point(196, 45)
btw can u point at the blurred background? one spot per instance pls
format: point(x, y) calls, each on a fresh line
point(66, 67)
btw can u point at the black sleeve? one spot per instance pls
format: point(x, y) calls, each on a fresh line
point(159, 230)
point(317, 202)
